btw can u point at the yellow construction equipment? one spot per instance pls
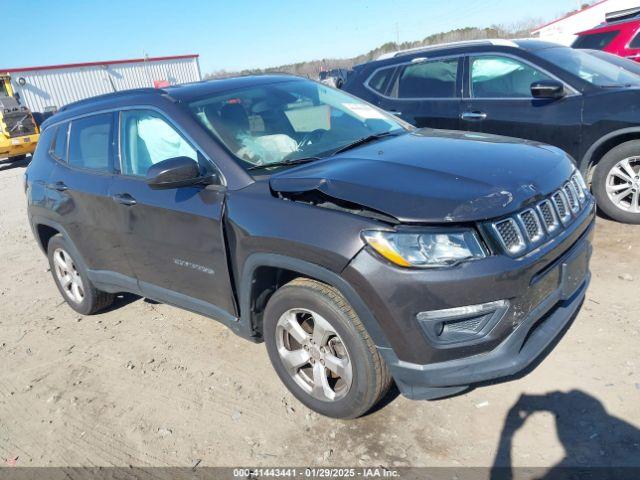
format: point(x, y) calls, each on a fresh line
point(19, 132)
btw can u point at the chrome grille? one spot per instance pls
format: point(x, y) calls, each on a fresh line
point(532, 225)
point(549, 216)
point(529, 228)
point(510, 236)
point(579, 186)
point(560, 202)
point(572, 197)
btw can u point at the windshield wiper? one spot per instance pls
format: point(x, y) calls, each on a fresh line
point(363, 140)
point(293, 161)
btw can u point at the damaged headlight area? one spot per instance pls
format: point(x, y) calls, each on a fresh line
point(426, 249)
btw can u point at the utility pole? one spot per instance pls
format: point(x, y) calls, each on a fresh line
point(397, 34)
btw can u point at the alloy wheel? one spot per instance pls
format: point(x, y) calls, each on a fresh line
point(68, 276)
point(623, 185)
point(314, 354)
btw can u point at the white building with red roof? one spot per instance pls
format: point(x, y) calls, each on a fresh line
point(46, 88)
point(563, 30)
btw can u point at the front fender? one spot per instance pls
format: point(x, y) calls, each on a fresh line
point(310, 270)
point(592, 152)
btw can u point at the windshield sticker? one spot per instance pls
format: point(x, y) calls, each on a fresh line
point(364, 111)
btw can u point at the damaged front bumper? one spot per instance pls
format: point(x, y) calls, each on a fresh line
point(537, 334)
point(504, 313)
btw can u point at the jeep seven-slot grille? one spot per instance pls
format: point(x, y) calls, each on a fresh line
point(572, 197)
point(549, 216)
point(560, 202)
point(510, 236)
point(531, 227)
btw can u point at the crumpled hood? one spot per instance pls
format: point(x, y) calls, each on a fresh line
point(434, 176)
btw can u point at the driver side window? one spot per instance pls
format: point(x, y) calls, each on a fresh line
point(502, 77)
point(146, 139)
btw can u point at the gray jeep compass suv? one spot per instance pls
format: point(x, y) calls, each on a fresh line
point(360, 250)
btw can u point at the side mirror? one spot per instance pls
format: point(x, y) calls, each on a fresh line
point(547, 89)
point(176, 172)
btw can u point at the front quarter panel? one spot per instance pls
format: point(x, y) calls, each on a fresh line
point(609, 111)
point(258, 222)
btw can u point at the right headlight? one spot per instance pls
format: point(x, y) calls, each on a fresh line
point(425, 249)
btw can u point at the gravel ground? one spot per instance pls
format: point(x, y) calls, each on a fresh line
point(147, 384)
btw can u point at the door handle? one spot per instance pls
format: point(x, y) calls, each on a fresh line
point(474, 116)
point(59, 186)
point(124, 199)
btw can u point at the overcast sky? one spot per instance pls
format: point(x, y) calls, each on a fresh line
point(237, 34)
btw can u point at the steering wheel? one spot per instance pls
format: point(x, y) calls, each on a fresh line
point(312, 137)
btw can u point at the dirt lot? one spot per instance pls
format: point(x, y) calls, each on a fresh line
point(150, 385)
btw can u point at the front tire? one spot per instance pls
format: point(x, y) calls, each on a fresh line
point(321, 350)
point(616, 182)
point(72, 280)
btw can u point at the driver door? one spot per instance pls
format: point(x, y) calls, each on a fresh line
point(498, 100)
point(173, 237)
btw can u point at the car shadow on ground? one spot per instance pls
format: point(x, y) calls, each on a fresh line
point(590, 436)
point(6, 164)
point(121, 300)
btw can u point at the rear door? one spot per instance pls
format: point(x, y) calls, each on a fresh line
point(424, 92)
point(79, 190)
point(174, 237)
point(498, 100)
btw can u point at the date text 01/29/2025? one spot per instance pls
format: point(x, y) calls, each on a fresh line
point(309, 472)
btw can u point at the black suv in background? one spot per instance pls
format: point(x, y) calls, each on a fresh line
point(359, 249)
point(573, 99)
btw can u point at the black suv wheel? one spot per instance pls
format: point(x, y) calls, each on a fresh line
point(72, 281)
point(321, 350)
point(616, 182)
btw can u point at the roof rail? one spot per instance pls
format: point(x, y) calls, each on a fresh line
point(484, 41)
point(120, 93)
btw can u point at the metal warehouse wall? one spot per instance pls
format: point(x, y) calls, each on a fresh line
point(55, 87)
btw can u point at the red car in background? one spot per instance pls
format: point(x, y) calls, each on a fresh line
point(618, 35)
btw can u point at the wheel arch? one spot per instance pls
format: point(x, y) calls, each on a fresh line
point(45, 229)
point(599, 148)
point(44, 233)
point(263, 273)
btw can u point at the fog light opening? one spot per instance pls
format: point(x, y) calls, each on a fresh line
point(462, 324)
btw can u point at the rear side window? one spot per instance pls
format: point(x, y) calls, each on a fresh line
point(428, 79)
point(380, 79)
point(595, 41)
point(90, 142)
point(59, 145)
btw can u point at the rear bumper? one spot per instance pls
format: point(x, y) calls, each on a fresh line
point(11, 147)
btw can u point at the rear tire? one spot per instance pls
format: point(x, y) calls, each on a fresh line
point(321, 350)
point(616, 182)
point(72, 280)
